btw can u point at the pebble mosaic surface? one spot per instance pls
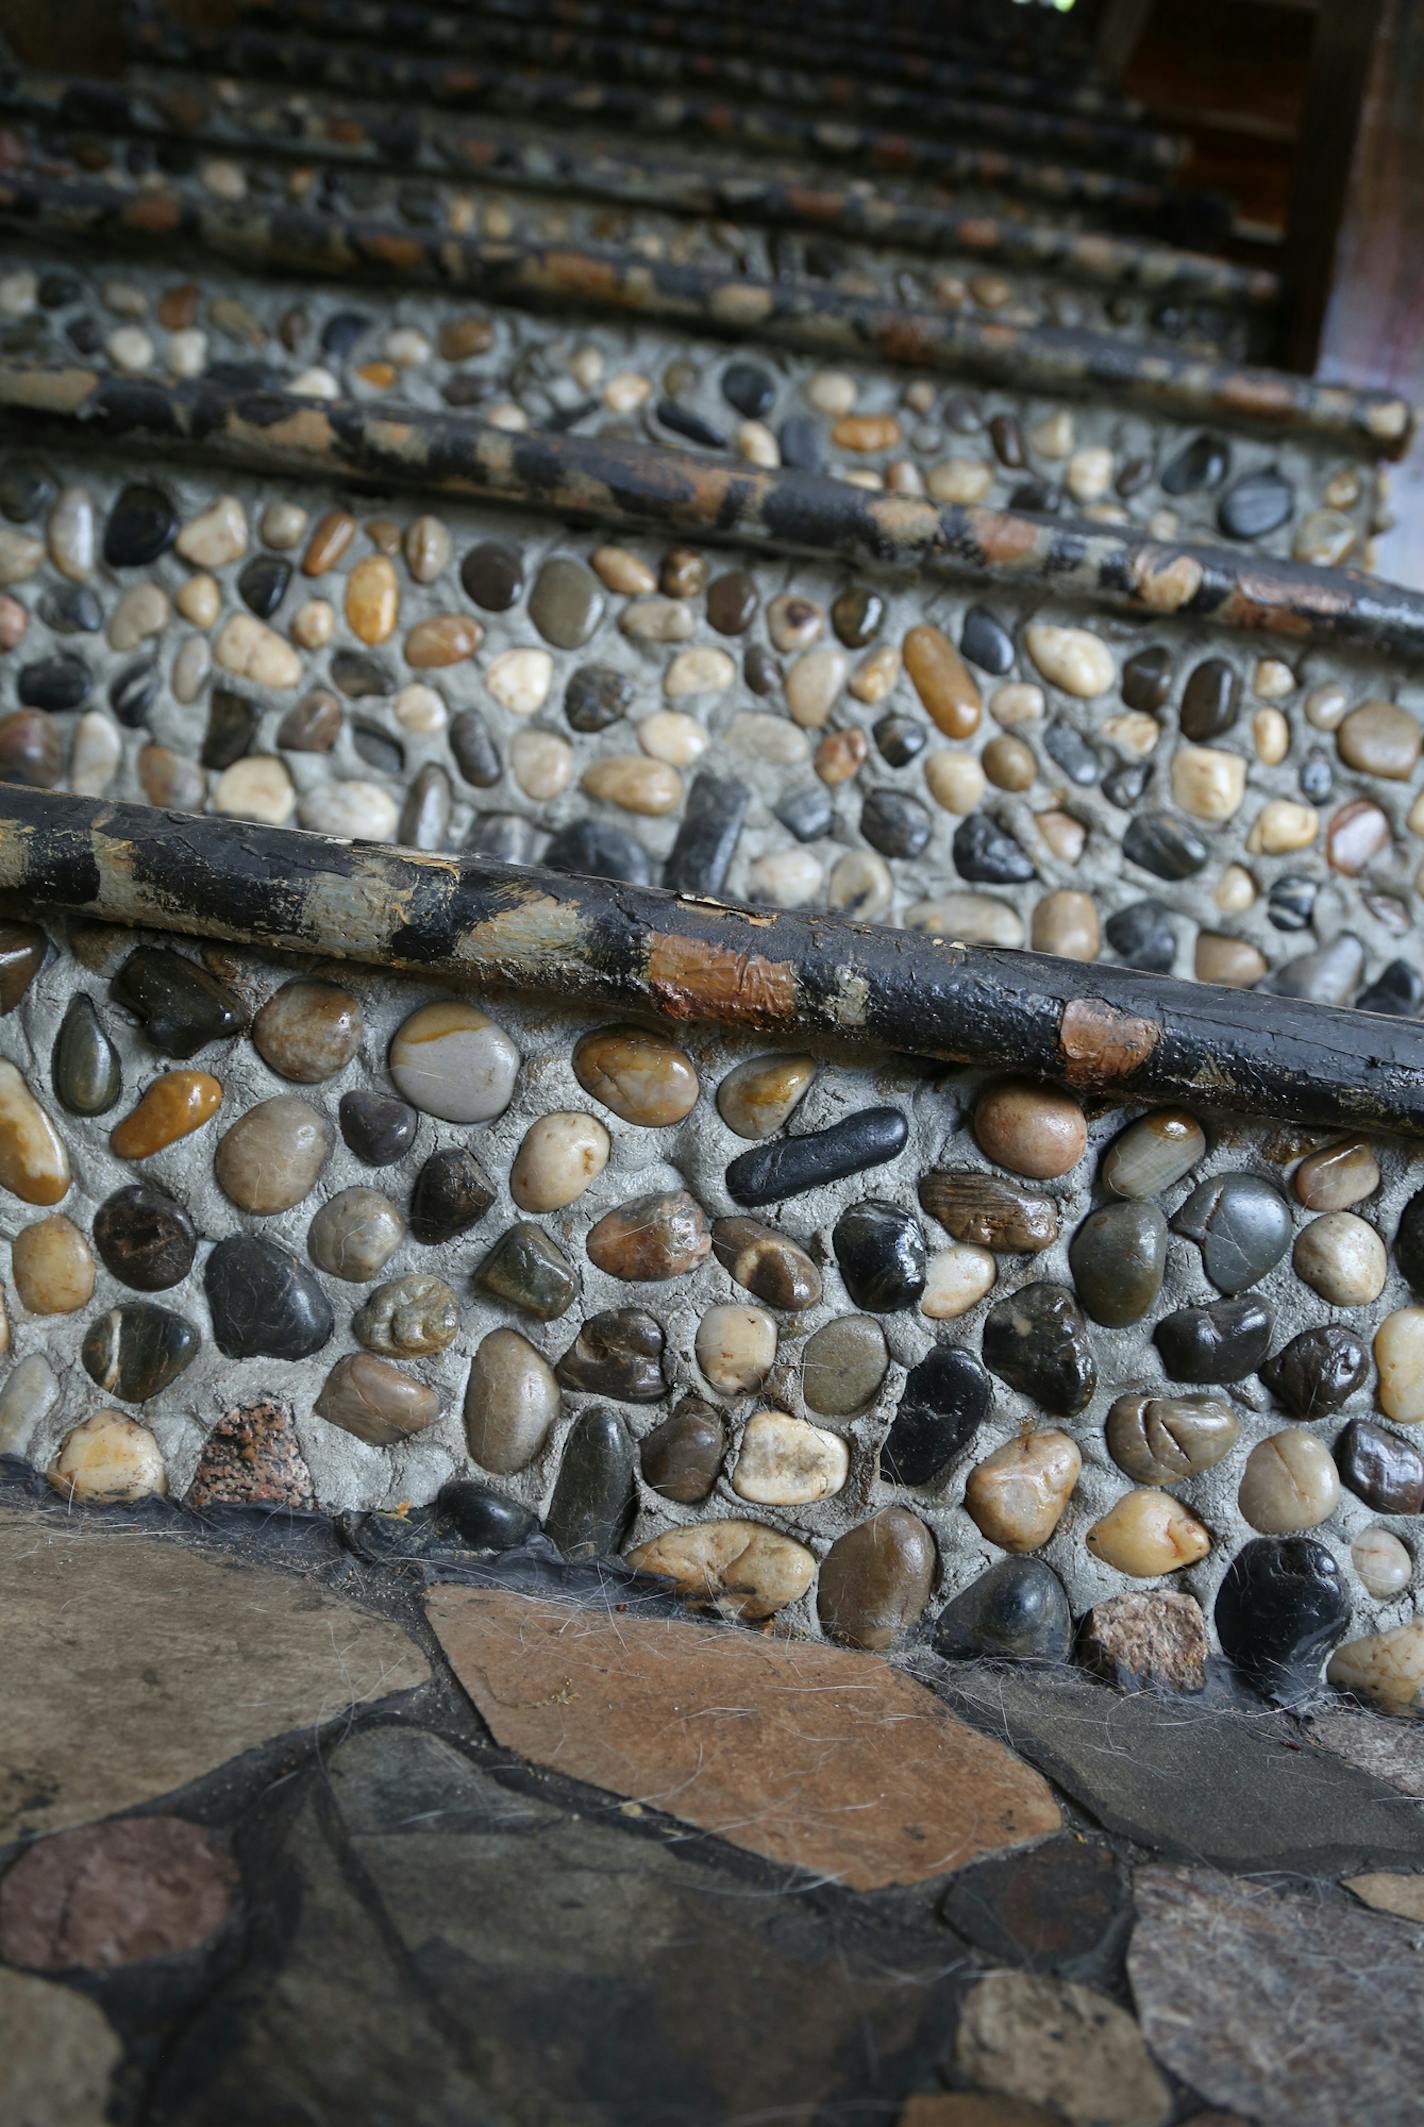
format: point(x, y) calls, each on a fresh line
point(857, 1347)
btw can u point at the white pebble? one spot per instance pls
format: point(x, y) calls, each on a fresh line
point(519, 680)
point(356, 811)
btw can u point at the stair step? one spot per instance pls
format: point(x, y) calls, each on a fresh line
point(1237, 841)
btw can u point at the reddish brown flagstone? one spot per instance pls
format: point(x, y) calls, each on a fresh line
point(109, 1894)
point(820, 1757)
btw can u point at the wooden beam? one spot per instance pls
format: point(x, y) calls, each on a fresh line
point(1108, 1032)
point(1341, 51)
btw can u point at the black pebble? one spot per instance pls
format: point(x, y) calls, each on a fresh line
point(133, 692)
point(1317, 776)
point(596, 696)
point(707, 836)
point(1256, 504)
point(232, 727)
point(265, 1302)
point(1222, 1342)
point(54, 683)
point(1142, 935)
point(986, 643)
point(452, 1192)
point(476, 754)
point(785, 1166)
point(807, 813)
point(493, 576)
point(1147, 679)
point(145, 1239)
point(1164, 846)
point(761, 670)
point(899, 738)
point(378, 749)
point(1125, 785)
point(945, 1400)
point(592, 849)
point(1398, 989)
point(1318, 1371)
point(179, 1005)
point(593, 1493)
point(1211, 700)
point(71, 609)
point(1291, 902)
point(26, 488)
point(482, 1518)
point(507, 837)
point(684, 422)
point(987, 853)
point(799, 438)
point(749, 388)
point(378, 1128)
point(358, 675)
point(882, 1255)
point(1279, 1611)
point(1409, 1242)
point(895, 823)
point(142, 525)
point(1036, 1340)
point(1017, 1611)
point(1072, 752)
point(341, 332)
point(262, 584)
point(1202, 463)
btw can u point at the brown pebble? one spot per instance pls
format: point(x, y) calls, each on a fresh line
point(1357, 834)
point(1337, 1176)
point(172, 1107)
point(663, 1235)
point(332, 536)
point(313, 725)
point(53, 1266)
point(374, 1400)
point(22, 951)
point(840, 755)
point(13, 622)
point(943, 681)
point(1016, 1495)
point(641, 1076)
point(1234, 962)
point(31, 749)
point(681, 1457)
point(1065, 923)
point(269, 1160)
point(866, 432)
point(985, 1211)
point(373, 599)
point(1380, 738)
point(683, 573)
point(308, 1031)
point(1032, 1130)
point(876, 1579)
point(459, 338)
point(732, 603)
point(443, 639)
point(1009, 763)
point(169, 779)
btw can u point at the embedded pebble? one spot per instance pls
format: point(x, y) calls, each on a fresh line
point(528, 1269)
point(652, 1237)
point(758, 1096)
point(566, 602)
point(1071, 658)
point(1152, 1154)
point(1147, 1533)
point(787, 1166)
point(136, 1351)
point(843, 1364)
point(355, 1234)
point(34, 1164)
point(1387, 1473)
point(180, 1006)
point(519, 680)
point(1222, 1342)
point(1399, 1356)
point(1036, 1340)
point(1032, 1130)
point(107, 1460)
point(29, 1395)
point(942, 681)
point(681, 1457)
point(985, 1211)
point(1242, 1225)
point(1016, 1495)
point(784, 1462)
point(84, 1064)
point(766, 1263)
point(1280, 1609)
point(375, 1400)
point(1118, 1256)
point(1386, 1670)
point(53, 1266)
point(1380, 739)
point(1166, 1439)
point(308, 1031)
point(511, 1402)
point(450, 1060)
point(216, 536)
point(452, 1193)
point(946, 1398)
point(642, 1076)
point(594, 1494)
point(740, 1568)
point(1342, 1258)
point(1382, 1563)
point(408, 1316)
point(271, 1156)
point(1016, 1611)
point(880, 1250)
point(875, 1580)
point(1289, 1483)
point(560, 1155)
point(617, 1353)
point(1337, 1176)
point(956, 1279)
point(144, 1237)
point(736, 1348)
point(378, 1128)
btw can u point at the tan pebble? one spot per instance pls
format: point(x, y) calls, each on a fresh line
point(256, 788)
point(451, 1060)
point(1066, 836)
point(784, 1462)
point(1071, 658)
point(673, 736)
point(875, 676)
point(270, 1158)
point(34, 1164)
point(373, 600)
point(1066, 923)
point(20, 555)
point(216, 536)
point(1235, 890)
point(1270, 735)
point(141, 612)
point(254, 651)
point(191, 667)
point(757, 444)
point(355, 811)
point(1208, 782)
point(1054, 436)
point(1342, 1258)
point(1283, 825)
point(622, 571)
point(427, 548)
point(903, 477)
point(768, 738)
point(1290, 1482)
point(794, 622)
point(1089, 474)
point(559, 1156)
point(635, 782)
point(375, 1401)
point(962, 480)
point(108, 1459)
point(541, 763)
point(787, 878)
point(657, 620)
point(758, 1096)
point(443, 639)
point(1032, 1130)
point(861, 885)
point(308, 1031)
point(1008, 763)
point(420, 710)
point(1380, 739)
point(700, 671)
point(1337, 1176)
point(626, 390)
point(519, 680)
point(168, 779)
point(1016, 1495)
point(53, 1266)
point(330, 538)
point(71, 533)
point(971, 919)
point(841, 755)
point(1233, 962)
point(957, 1279)
point(511, 1402)
point(1383, 1564)
point(1325, 706)
point(1324, 537)
point(813, 684)
point(1018, 703)
point(942, 681)
point(866, 432)
point(744, 1570)
point(1386, 1669)
point(956, 780)
point(736, 1347)
point(640, 1075)
point(355, 1234)
point(830, 391)
point(1134, 733)
point(1272, 680)
point(314, 623)
point(95, 756)
point(1147, 1533)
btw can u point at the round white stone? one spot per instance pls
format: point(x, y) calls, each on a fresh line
point(449, 1059)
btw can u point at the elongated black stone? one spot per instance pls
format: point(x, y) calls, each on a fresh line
point(706, 841)
point(945, 1400)
point(684, 422)
point(476, 754)
point(1281, 1608)
point(1072, 752)
point(265, 1303)
point(592, 849)
point(593, 1495)
point(358, 675)
point(232, 727)
point(133, 692)
point(1409, 1241)
point(180, 1006)
point(787, 1166)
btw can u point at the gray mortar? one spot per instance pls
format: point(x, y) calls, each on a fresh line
point(350, 1474)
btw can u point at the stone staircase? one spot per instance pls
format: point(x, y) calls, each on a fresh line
point(675, 458)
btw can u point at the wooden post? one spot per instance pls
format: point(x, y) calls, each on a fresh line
point(1344, 42)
